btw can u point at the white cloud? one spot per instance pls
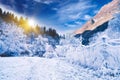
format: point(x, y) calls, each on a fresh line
point(44, 1)
point(74, 16)
point(37, 0)
point(48, 2)
point(70, 25)
point(55, 9)
point(78, 23)
point(74, 25)
point(74, 11)
point(87, 17)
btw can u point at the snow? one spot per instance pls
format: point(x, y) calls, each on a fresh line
point(103, 50)
point(13, 42)
point(12, 39)
point(35, 68)
point(70, 60)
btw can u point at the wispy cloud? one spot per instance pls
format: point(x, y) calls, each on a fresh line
point(87, 17)
point(96, 11)
point(75, 11)
point(45, 1)
point(70, 25)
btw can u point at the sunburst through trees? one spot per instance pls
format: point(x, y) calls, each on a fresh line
point(27, 25)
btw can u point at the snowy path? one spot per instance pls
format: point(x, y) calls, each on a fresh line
point(43, 69)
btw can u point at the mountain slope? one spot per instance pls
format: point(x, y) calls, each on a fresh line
point(104, 15)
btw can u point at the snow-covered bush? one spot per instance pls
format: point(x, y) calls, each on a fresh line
point(104, 51)
point(50, 52)
point(66, 44)
point(113, 30)
point(12, 40)
point(38, 46)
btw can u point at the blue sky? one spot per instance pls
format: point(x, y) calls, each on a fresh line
point(63, 15)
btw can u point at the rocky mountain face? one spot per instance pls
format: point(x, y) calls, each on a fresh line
point(99, 22)
point(104, 15)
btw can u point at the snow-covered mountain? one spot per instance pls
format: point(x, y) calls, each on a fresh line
point(105, 14)
point(100, 22)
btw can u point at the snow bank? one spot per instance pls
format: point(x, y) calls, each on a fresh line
point(24, 68)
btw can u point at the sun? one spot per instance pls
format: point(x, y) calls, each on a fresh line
point(31, 23)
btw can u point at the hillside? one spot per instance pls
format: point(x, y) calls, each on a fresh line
point(18, 37)
point(28, 24)
point(105, 14)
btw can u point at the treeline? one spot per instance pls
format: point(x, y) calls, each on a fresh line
point(23, 23)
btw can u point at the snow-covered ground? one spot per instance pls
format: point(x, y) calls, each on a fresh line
point(24, 68)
